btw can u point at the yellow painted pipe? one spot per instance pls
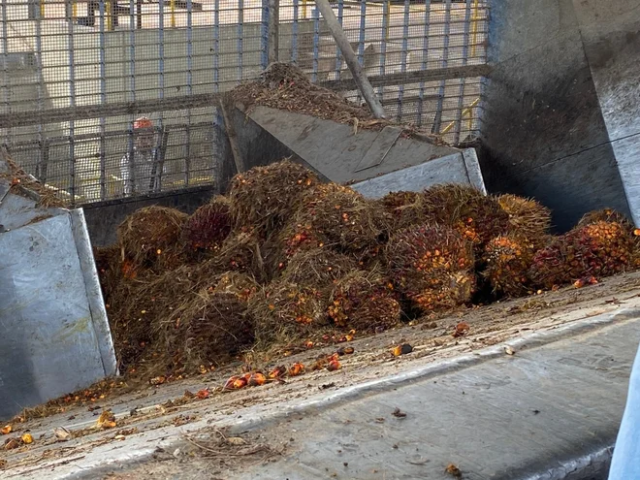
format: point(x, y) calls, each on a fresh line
point(172, 4)
point(107, 12)
point(41, 9)
point(474, 27)
point(304, 9)
point(467, 111)
point(74, 9)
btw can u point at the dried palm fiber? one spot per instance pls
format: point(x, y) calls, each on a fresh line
point(208, 227)
point(598, 249)
point(206, 330)
point(136, 305)
point(108, 262)
point(239, 284)
point(337, 216)
point(477, 217)
point(264, 198)
point(23, 184)
point(284, 312)
point(404, 208)
point(507, 260)
point(431, 266)
point(364, 301)
point(318, 268)
point(150, 238)
point(606, 215)
point(240, 252)
point(527, 218)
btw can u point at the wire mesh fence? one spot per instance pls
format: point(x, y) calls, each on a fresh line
point(75, 75)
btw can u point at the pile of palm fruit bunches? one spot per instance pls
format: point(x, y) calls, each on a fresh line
point(283, 261)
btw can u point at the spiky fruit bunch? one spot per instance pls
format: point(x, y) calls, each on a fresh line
point(240, 253)
point(364, 301)
point(263, 198)
point(209, 225)
point(150, 238)
point(477, 217)
point(340, 216)
point(456, 290)
point(599, 249)
point(318, 268)
point(239, 284)
point(608, 215)
point(404, 208)
point(431, 265)
point(216, 327)
point(285, 311)
point(507, 261)
point(527, 218)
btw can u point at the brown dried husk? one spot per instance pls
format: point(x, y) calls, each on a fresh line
point(108, 262)
point(208, 227)
point(477, 217)
point(318, 268)
point(507, 261)
point(285, 312)
point(341, 216)
point(236, 283)
point(137, 305)
point(405, 209)
point(598, 249)
point(150, 238)
point(264, 198)
point(207, 330)
point(241, 252)
point(286, 87)
point(527, 218)
point(21, 180)
point(364, 301)
point(606, 215)
point(431, 266)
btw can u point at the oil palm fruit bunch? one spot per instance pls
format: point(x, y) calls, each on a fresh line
point(507, 260)
point(262, 198)
point(364, 301)
point(527, 218)
point(431, 265)
point(478, 217)
point(209, 226)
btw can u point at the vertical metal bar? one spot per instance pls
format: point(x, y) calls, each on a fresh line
point(294, 32)
point(5, 66)
point(74, 10)
point(425, 58)
point(304, 9)
point(40, 167)
point(338, 52)
point(139, 14)
point(465, 60)
point(132, 52)
point(161, 79)
point(187, 159)
point(474, 29)
point(403, 60)
point(445, 62)
point(363, 30)
point(216, 46)
point(42, 9)
point(240, 34)
point(103, 101)
point(172, 7)
point(383, 44)
point(272, 32)
point(72, 102)
point(316, 43)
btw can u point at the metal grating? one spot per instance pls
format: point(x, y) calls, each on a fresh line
point(75, 75)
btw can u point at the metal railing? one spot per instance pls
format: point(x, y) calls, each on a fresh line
point(74, 75)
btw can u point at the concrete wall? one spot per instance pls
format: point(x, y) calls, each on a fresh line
point(544, 133)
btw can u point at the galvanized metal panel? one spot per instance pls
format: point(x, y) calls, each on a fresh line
point(379, 148)
point(51, 320)
point(448, 169)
